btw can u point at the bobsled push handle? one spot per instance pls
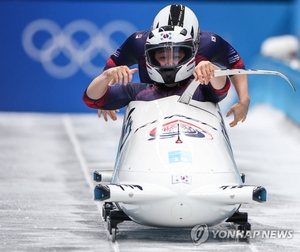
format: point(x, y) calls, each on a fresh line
point(188, 93)
point(251, 71)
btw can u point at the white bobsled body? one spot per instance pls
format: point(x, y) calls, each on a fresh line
point(175, 166)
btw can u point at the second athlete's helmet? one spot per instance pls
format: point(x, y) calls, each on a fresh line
point(178, 15)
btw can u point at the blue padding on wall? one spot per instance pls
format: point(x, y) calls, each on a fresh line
point(274, 90)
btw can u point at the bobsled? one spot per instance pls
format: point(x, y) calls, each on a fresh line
point(174, 167)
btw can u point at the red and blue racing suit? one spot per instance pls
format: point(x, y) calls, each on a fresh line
point(211, 47)
point(119, 96)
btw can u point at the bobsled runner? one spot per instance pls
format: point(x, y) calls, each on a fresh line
point(175, 168)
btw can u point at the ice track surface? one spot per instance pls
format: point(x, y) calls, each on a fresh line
point(46, 186)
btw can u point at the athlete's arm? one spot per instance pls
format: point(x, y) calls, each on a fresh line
point(239, 109)
point(99, 85)
point(216, 49)
point(204, 73)
point(101, 94)
point(127, 54)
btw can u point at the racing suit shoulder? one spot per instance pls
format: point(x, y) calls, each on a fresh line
point(130, 52)
point(217, 50)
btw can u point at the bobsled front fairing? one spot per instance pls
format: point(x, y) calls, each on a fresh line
point(175, 166)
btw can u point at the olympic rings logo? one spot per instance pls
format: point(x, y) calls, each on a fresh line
point(64, 42)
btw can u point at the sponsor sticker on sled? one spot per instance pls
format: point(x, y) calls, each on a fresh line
point(180, 156)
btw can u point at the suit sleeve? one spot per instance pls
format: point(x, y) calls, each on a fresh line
point(116, 97)
point(215, 95)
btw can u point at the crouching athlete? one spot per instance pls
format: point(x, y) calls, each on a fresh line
point(170, 56)
point(211, 47)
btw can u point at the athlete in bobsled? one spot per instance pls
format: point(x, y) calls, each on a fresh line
point(174, 166)
point(212, 47)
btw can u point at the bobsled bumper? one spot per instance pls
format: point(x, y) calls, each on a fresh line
point(131, 193)
point(232, 194)
point(103, 175)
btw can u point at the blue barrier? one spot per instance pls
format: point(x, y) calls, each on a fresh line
point(275, 90)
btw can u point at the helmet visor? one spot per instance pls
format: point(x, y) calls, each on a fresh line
point(168, 55)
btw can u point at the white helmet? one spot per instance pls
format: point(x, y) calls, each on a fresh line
point(178, 15)
point(170, 55)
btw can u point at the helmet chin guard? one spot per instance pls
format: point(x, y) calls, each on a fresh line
point(168, 74)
